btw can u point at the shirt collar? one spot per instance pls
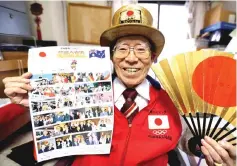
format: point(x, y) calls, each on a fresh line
point(142, 89)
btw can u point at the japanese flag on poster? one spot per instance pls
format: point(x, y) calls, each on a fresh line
point(158, 122)
point(71, 103)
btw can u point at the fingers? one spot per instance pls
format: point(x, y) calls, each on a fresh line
point(208, 144)
point(23, 78)
point(13, 88)
point(18, 85)
point(229, 147)
point(208, 157)
point(217, 152)
point(11, 92)
point(27, 75)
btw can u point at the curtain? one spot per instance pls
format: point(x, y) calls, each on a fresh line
point(195, 16)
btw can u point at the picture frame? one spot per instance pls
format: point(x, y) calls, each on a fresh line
point(87, 22)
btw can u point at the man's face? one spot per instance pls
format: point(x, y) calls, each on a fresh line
point(132, 66)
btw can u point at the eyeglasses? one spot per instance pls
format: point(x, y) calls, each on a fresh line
point(141, 51)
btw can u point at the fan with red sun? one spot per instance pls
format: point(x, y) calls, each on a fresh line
point(202, 85)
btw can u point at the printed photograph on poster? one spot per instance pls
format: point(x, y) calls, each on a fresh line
point(46, 146)
point(92, 99)
point(64, 78)
point(51, 118)
point(45, 133)
point(64, 142)
point(92, 76)
point(65, 102)
point(90, 125)
point(90, 112)
point(43, 92)
point(93, 87)
point(43, 105)
point(92, 138)
point(65, 90)
point(41, 79)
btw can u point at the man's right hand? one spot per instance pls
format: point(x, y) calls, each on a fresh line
point(16, 88)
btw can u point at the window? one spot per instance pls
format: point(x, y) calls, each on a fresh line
point(171, 19)
point(154, 10)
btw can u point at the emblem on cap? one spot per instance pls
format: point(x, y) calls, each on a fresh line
point(130, 16)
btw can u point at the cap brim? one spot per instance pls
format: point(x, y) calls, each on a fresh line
point(152, 34)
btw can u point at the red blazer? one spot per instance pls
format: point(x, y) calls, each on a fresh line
point(141, 144)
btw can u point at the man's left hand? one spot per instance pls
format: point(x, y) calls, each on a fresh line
point(218, 154)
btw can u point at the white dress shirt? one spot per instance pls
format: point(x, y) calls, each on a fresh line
point(142, 89)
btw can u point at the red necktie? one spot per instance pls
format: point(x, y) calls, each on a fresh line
point(130, 108)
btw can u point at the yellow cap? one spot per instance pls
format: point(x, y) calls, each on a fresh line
point(132, 20)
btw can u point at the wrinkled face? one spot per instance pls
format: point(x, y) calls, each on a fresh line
point(132, 60)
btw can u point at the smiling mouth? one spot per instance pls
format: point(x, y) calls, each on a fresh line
point(131, 70)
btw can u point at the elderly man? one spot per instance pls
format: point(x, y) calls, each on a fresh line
point(146, 123)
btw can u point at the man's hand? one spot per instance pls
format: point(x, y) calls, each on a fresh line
point(221, 153)
point(16, 88)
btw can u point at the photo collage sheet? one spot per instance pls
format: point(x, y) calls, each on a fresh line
point(71, 103)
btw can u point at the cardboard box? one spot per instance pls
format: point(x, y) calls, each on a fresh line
point(219, 14)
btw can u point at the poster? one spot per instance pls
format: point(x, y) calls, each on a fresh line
point(71, 103)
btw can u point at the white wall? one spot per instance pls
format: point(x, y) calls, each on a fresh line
point(52, 26)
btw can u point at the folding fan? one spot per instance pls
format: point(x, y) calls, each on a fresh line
point(202, 86)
